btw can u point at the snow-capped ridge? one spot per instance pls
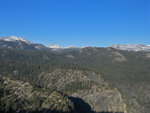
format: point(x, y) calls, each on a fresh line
point(130, 47)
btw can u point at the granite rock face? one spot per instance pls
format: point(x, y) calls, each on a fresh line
point(103, 99)
point(92, 89)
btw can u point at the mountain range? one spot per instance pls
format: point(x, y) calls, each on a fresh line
point(54, 79)
point(14, 42)
point(20, 43)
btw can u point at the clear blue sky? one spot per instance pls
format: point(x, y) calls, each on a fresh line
point(77, 22)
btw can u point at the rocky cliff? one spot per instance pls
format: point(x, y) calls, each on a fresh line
point(86, 85)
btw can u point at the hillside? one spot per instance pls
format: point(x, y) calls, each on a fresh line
point(71, 73)
point(19, 96)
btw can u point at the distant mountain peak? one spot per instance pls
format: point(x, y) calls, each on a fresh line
point(20, 43)
point(131, 47)
point(60, 47)
point(54, 46)
point(15, 39)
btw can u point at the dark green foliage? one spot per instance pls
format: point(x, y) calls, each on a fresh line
point(74, 86)
point(26, 65)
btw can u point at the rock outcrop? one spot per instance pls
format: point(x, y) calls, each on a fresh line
point(20, 97)
point(88, 86)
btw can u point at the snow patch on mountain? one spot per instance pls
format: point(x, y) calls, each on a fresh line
point(15, 39)
point(57, 48)
point(60, 47)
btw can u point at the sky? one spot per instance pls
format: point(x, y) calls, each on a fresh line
point(77, 22)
